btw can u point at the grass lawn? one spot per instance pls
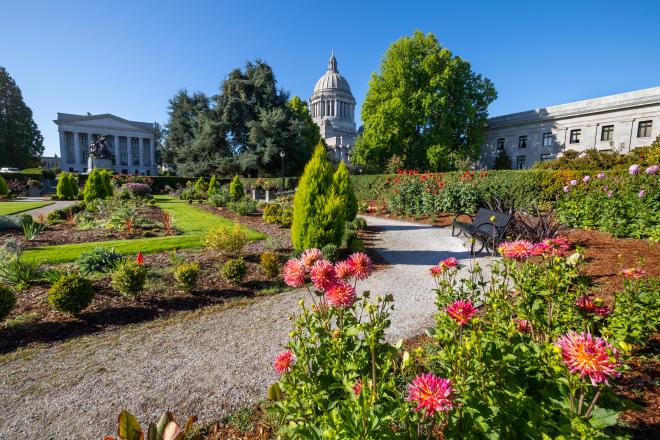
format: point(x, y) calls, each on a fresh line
point(8, 208)
point(194, 224)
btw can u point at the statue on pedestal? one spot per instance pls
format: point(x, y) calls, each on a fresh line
point(100, 155)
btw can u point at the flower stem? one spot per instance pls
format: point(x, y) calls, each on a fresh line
point(593, 404)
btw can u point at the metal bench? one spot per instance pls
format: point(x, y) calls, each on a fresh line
point(480, 228)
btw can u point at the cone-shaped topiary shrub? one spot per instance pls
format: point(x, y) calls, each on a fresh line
point(67, 187)
point(236, 190)
point(97, 186)
point(318, 213)
point(71, 294)
point(214, 187)
point(200, 185)
point(4, 189)
point(7, 301)
point(344, 189)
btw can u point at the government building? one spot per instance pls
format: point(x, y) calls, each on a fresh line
point(130, 142)
point(332, 107)
point(619, 123)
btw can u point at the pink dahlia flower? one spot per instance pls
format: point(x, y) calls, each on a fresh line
point(344, 270)
point(586, 179)
point(557, 245)
point(449, 263)
point(311, 256)
point(588, 355)
point(323, 275)
point(519, 249)
point(573, 182)
point(641, 193)
point(341, 295)
point(436, 271)
point(294, 273)
point(541, 249)
point(634, 169)
point(431, 394)
point(600, 176)
point(633, 272)
point(283, 361)
point(652, 169)
point(585, 304)
point(461, 311)
point(361, 265)
point(523, 325)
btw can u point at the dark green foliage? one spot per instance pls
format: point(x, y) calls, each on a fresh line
point(236, 190)
point(19, 273)
point(318, 215)
point(220, 198)
point(8, 222)
point(234, 270)
point(97, 185)
point(502, 161)
point(344, 190)
point(32, 229)
point(245, 206)
point(128, 278)
point(3, 187)
point(360, 223)
point(186, 275)
point(59, 215)
point(67, 187)
point(21, 142)
point(71, 294)
point(424, 105)
point(7, 301)
point(99, 259)
point(330, 252)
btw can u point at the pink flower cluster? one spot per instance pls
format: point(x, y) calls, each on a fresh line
point(444, 265)
point(588, 355)
point(431, 394)
point(523, 325)
point(587, 305)
point(461, 311)
point(332, 279)
point(522, 249)
point(283, 361)
point(633, 272)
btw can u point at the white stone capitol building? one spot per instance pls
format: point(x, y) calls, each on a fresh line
point(332, 107)
point(619, 122)
point(131, 142)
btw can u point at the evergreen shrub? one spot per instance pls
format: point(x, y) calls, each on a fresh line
point(128, 278)
point(186, 275)
point(236, 190)
point(7, 301)
point(71, 294)
point(344, 190)
point(270, 264)
point(234, 270)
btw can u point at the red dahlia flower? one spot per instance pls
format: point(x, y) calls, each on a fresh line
point(283, 361)
point(323, 275)
point(344, 270)
point(588, 355)
point(519, 249)
point(431, 394)
point(340, 295)
point(361, 265)
point(461, 311)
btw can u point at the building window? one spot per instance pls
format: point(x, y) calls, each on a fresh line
point(146, 152)
point(124, 171)
point(607, 133)
point(522, 142)
point(545, 157)
point(69, 147)
point(500, 144)
point(520, 162)
point(135, 150)
point(84, 145)
point(547, 139)
point(148, 172)
point(644, 129)
point(110, 143)
point(575, 136)
point(123, 151)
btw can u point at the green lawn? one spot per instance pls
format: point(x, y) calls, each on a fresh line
point(8, 208)
point(194, 224)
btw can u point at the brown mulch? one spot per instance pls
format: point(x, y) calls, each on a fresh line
point(64, 233)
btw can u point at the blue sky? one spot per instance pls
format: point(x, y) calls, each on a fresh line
point(129, 57)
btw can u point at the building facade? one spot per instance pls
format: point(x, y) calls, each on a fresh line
point(332, 107)
point(619, 122)
point(131, 142)
point(51, 162)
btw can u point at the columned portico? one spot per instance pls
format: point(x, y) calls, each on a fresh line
point(134, 154)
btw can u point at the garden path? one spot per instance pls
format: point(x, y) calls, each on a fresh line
point(207, 364)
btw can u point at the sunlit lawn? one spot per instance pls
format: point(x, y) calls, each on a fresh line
point(8, 208)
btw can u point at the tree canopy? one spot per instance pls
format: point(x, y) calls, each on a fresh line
point(241, 130)
point(21, 142)
point(425, 105)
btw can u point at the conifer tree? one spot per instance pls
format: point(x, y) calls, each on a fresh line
point(236, 190)
point(213, 186)
point(67, 187)
point(318, 214)
point(97, 185)
point(344, 189)
point(4, 189)
point(200, 185)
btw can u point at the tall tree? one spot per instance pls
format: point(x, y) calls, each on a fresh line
point(425, 105)
point(21, 142)
point(184, 111)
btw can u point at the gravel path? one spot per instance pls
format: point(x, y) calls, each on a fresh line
point(56, 204)
point(207, 365)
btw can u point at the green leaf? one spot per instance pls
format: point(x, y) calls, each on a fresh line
point(128, 427)
point(601, 418)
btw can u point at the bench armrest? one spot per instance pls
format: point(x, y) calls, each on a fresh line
point(499, 229)
point(457, 215)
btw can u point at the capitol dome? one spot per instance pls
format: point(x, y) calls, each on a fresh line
point(332, 107)
point(331, 79)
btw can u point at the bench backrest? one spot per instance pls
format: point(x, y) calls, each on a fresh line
point(483, 216)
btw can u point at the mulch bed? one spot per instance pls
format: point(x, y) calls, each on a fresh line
point(64, 233)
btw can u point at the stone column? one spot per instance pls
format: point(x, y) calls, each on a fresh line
point(129, 151)
point(141, 147)
point(117, 155)
point(63, 150)
point(76, 147)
